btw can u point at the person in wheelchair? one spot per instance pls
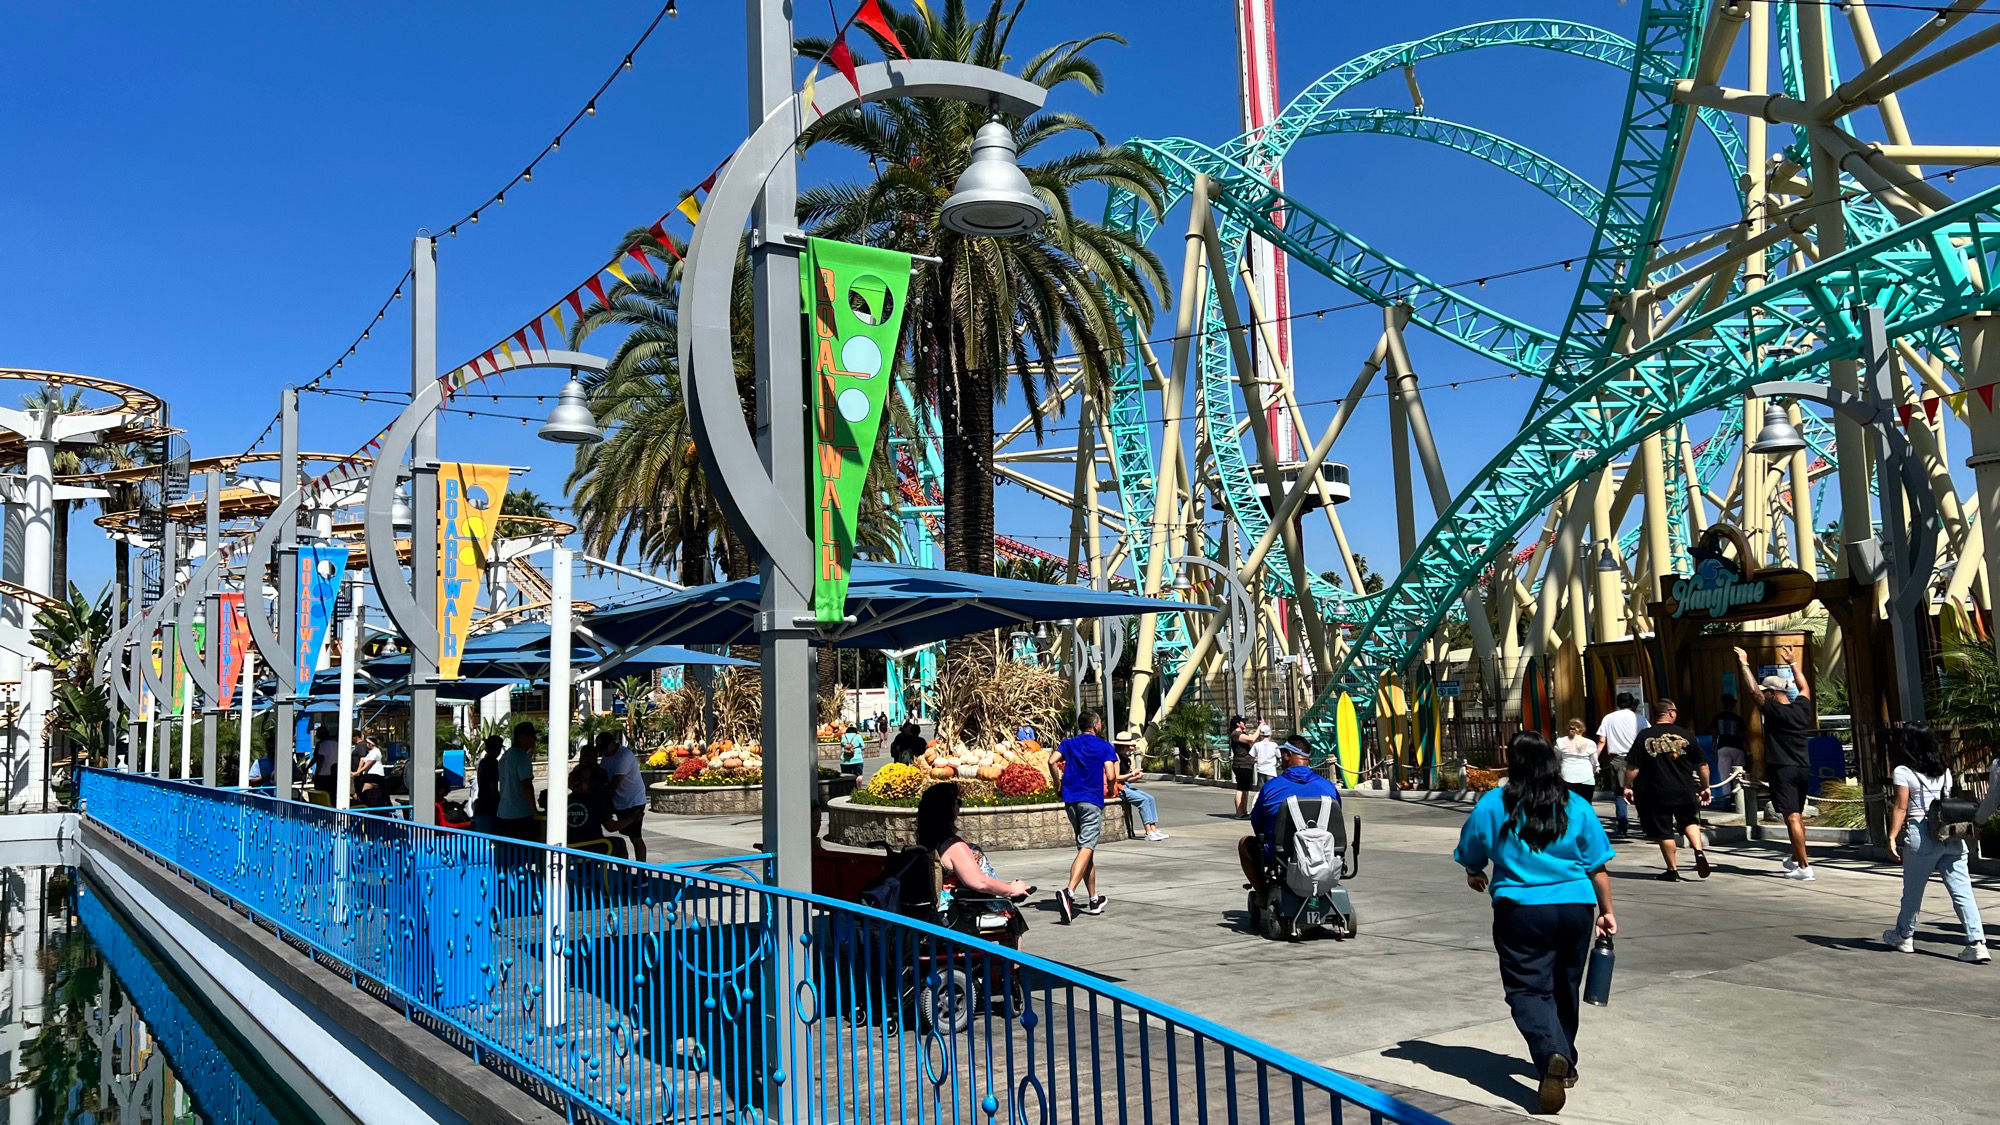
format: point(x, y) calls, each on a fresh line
point(1258, 851)
point(1299, 853)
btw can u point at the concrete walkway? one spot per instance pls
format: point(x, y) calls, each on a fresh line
point(1744, 998)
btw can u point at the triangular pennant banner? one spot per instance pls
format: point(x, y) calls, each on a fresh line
point(806, 92)
point(521, 338)
point(539, 338)
point(690, 208)
point(614, 270)
point(869, 15)
point(639, 256)
point(555, 313)
point(1931, 410)
point(1986, 396)
point(1907, 411)
point(843, 60)
point(575, 302)
point(855, 297)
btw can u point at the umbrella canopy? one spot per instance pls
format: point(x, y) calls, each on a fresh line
point(894, 607)
point(521, 652)
point(326, 693)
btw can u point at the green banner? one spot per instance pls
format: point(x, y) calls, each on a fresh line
point(854, 312)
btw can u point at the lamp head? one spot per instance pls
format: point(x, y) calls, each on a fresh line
point(1779, 436)
point(992, 197)
point(401, 517)
point(571, 422)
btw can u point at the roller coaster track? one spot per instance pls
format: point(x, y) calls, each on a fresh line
point(1700, 365)
point(1351, 262)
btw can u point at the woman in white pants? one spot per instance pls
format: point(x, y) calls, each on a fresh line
point(1921, 779)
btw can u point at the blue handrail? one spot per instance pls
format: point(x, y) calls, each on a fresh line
point(680, 992)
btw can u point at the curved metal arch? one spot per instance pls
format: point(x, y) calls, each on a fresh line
point(398, 600)
point(1702, 365)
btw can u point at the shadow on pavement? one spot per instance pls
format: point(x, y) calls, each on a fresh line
point(1497, 1074)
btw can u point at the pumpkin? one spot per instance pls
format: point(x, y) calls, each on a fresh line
point(943, 773)
point(931, 745)
point(729, 761)
point(990, 772)
point(1028, 745)
point(968, 770)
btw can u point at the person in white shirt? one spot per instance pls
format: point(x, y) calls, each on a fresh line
point(371, 789)
point(1615, 736)
point(1265, 751)
point(1921, 780)
point(628, 790)
point(1579, 761)
point(516, 811)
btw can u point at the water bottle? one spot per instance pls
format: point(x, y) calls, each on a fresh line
point(1597, 979)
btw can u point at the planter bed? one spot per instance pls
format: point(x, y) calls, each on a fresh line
point(726, 800)
point(998, 829)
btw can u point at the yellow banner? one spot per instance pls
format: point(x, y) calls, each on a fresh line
point(469, 499)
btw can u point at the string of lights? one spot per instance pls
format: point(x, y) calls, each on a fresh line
point(526, 175)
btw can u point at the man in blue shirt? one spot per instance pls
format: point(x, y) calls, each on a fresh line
point(1295, 779)
point(1086, 768)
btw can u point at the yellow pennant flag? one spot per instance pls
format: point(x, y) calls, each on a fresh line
point(690, 208)
point(806, 91)
point(924, 8)
point(469, 500)
point(618, 273)
point(561, 328)
point(508, 350)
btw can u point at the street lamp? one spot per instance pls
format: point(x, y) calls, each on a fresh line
point(992, 196)
point(1778, 437)
point(571, 422)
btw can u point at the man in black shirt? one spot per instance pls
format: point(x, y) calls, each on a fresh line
point(907, 745)
point(1666, 776)
point(1787, 711)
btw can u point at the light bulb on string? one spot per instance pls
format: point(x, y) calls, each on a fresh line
point(527, 175)
point(1940, 20)
point(673, 13)
point(555, 145)
point(501, 199)
point(591, 109)
point(628, 62)
point(454, 231)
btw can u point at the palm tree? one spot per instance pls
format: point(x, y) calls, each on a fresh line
point(522, 502)
point(992, 303)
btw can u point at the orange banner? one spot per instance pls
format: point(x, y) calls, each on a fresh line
point(469, 500)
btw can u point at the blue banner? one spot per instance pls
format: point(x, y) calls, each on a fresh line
point(320, 569)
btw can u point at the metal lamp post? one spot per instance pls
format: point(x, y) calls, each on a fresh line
point(760, 480)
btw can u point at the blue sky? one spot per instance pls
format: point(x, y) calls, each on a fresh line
point(211, 201)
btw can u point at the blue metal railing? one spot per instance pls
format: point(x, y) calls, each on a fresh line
point(639, 993)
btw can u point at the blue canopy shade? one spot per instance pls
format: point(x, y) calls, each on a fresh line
point(521, 652)
point(894, 607)
point(326, 693)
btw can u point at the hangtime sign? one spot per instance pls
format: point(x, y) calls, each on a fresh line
point(469, 500)
point(854, 302)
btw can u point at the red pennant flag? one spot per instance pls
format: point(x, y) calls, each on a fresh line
point(842, 60)
point(576, 303)
point(708, 184)
point(543, 340)
point(869, 15)
point(475, 368)
point(1907, 411)
point(494, 363)
point(1986, 396)
point(521, 338)
point(598, 289)
point(659, 229)
point(1931, 409)
point(639, 256)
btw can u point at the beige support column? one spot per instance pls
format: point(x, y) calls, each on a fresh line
point(1166, 475)
point(1657, 535)
point(1979, 359)
point(1607, 586)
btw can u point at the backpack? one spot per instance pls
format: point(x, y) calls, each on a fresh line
point(1948, 818)
point(911, 872)
point(1315, 865)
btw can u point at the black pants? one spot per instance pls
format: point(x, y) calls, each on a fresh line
point(1543, 951)
point(1585, 789)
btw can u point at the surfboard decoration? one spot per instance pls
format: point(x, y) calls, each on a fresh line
point(1565, 676)
point(1392, 720)
point(1429, 725)
point(1347, 739)
point(1534, 703)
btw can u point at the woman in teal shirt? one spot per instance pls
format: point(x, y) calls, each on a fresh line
point(1548, 854)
